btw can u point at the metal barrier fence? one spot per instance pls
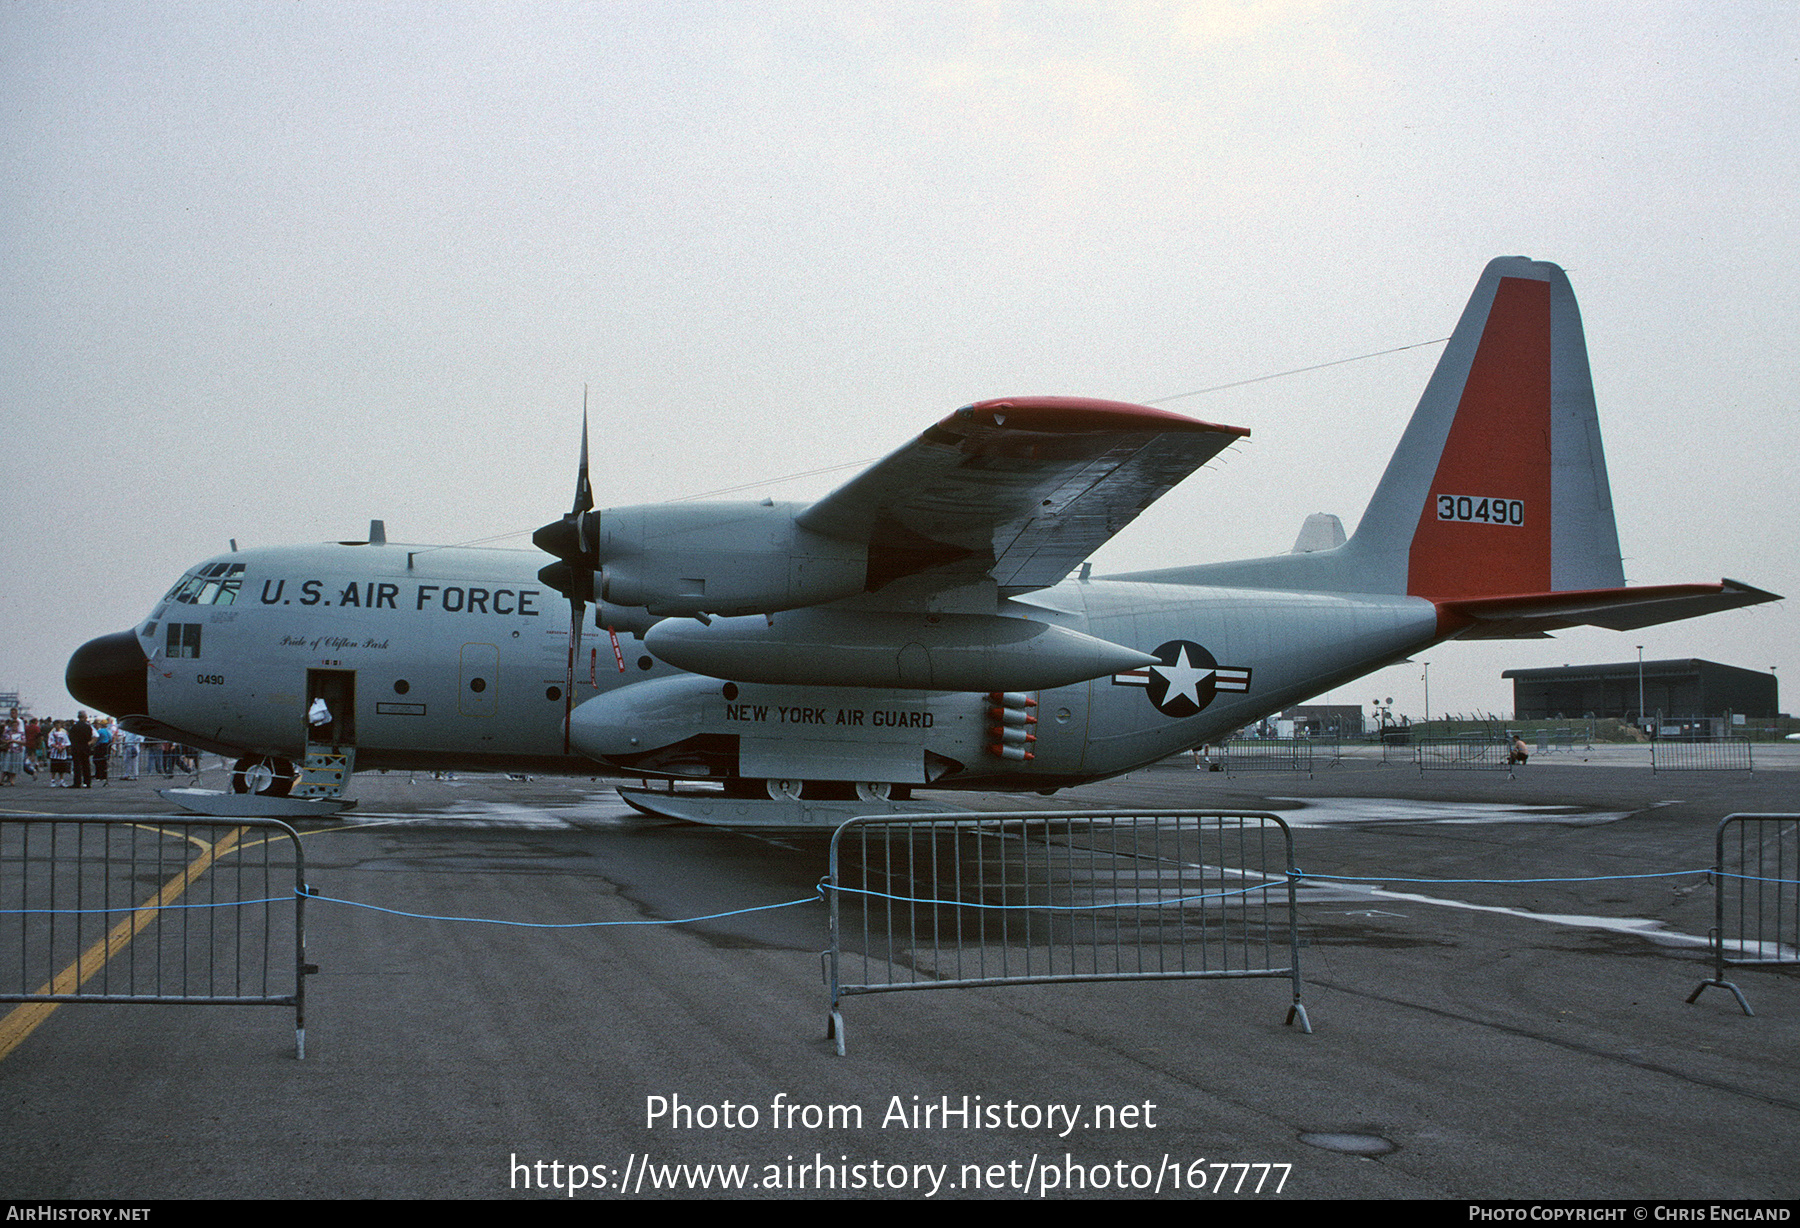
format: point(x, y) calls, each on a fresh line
point(1252, 755)
point(1756, 897)
point(1558, 740)
point(957, 901)
point(1700, 755)
point(194, 911)
point(1469, 753)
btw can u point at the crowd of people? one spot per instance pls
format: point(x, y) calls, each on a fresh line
point(75, 754)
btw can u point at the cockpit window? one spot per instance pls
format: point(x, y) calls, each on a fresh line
point(216, 584)
point(183, 641)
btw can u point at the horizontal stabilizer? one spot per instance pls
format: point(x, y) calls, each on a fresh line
point(1619, 609)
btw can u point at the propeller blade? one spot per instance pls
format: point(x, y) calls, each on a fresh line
point(575, 619)
point(573, 575)
point(567, 538)
point(584, 490)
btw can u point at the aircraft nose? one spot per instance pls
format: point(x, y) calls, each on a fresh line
point(108, 674)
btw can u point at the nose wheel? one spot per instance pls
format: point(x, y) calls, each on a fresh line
point(262, 774)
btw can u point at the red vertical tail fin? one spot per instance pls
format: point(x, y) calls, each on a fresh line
point(1499, 483)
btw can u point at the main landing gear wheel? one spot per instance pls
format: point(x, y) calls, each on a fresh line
point(784, 790)
point(264, 774)
point(873, 790)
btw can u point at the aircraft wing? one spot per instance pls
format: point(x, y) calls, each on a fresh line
point(1619, 609)
point(1018, 490)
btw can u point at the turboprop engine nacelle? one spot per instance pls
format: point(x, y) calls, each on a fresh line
point(909, 651)
point(720, 559)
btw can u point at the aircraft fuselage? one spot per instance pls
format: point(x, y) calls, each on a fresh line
point(433, 657)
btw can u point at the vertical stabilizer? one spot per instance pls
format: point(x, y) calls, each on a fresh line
point(1322, 531)
point(1499, 484)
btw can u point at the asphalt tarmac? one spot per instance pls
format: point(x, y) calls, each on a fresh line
point(1471, 1040)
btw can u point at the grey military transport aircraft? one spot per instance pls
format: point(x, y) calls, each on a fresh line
point(916, 627)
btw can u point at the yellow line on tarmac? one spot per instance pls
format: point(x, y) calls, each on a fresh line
point(189, 836)
point(23, 1021)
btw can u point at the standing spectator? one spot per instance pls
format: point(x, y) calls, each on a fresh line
point(12, 749)
point(34, 744)
point(103, 736)
point(59, 755)
point(81, 751)
point(133, 746)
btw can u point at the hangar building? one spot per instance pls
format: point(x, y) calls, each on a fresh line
point(1686, 687)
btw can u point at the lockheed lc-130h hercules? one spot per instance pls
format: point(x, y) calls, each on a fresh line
point(918, 626)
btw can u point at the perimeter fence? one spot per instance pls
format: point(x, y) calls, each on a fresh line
point(1558, 740)
point(184, 912)
point(961, 901)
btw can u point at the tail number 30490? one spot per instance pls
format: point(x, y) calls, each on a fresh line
point(1481, 511)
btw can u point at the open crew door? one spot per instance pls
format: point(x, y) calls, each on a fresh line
point(330, 733)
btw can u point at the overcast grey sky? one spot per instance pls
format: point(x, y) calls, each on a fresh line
point(270, 270)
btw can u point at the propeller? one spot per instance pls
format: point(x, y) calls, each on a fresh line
point(573, 540)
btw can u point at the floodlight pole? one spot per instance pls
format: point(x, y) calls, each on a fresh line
point(1640, 649)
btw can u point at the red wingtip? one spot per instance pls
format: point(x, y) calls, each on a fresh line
point(1086, 414)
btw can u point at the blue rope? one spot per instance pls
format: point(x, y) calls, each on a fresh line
point(85, 912)
point(1751, 878)
point(1296, 875)
point(1598, 878)
point(562, 925)
point(1186, 899)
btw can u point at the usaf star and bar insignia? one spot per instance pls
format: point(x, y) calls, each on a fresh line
point(1186, 680)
